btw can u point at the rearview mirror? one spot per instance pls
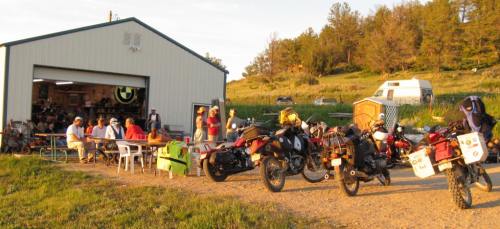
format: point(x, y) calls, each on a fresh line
point(427, 128)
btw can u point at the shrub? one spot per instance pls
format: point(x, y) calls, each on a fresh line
point(305, 79)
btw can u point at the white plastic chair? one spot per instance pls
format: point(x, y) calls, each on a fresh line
point(129, 156)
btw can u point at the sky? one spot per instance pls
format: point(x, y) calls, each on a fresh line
point(232, 30)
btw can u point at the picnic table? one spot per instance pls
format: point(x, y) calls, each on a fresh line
point(53, 147)
point(139, 143)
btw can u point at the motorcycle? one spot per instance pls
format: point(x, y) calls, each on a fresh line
point(289, 151)
point(398, 147)
point(443, 143)
point(227, 158)
point(354, 158)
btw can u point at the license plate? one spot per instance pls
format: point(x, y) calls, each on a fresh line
point(255, 157)
point(446, 165)
point(336, 162)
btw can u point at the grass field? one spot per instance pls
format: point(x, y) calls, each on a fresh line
point(254, 96)
point(37, 194)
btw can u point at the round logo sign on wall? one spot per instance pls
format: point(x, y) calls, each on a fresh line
point(125, 95)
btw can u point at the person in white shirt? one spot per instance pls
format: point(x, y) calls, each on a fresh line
point(154, 120)
point(114, 130)
point(99, 131)
point(75, 138)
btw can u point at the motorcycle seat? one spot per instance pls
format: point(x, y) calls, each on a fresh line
point(225, 145)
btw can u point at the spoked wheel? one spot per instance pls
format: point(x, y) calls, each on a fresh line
point(314, 171)
point(484, 182)
point(348, 183)
point(384, 178)
point(213, 172)
point(272, 174)
point(462, 196)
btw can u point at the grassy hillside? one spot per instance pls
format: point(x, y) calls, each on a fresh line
point(254, 96)
point(354, 86)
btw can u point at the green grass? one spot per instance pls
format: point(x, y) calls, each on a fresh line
point(35, 193)
point(252, 96)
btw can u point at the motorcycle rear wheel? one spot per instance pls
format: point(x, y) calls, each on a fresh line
point(272, 174)
point(487, 186)
point(212, 172)
point(462, 196)
point(349, 184)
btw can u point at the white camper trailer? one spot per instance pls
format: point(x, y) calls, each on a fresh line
point(412, 91)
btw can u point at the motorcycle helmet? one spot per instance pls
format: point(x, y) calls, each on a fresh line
point(288, 116)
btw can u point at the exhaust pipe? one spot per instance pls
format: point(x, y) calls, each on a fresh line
point(360, 174)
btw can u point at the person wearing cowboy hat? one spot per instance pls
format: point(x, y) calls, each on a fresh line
point(200, 134)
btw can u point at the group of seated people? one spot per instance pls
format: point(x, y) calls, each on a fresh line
point(93, 138)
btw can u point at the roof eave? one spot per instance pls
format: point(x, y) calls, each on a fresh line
point(50, 35)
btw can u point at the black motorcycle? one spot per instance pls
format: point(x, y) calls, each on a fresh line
point(353, 157)
point(286, 153)
point(230, 157)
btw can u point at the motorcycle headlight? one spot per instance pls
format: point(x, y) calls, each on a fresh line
point(400, 129)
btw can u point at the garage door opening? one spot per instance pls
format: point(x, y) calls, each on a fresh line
point(57, 102)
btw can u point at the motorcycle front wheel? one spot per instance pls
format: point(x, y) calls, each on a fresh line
point(212, 172)
point(385, 177)
point(484, 182)
point(349, 184)
point(314, 170)
point(462, 196)
point(272, 174)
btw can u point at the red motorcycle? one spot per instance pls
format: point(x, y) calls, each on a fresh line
point(398, 146)
point(394, 144)
point(445, 148)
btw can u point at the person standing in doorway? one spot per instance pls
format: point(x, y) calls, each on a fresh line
point(75, 138)
point(200, 134)
point(154, 120)
point(213, 124)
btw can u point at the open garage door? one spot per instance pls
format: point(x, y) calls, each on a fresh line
point(57, 74)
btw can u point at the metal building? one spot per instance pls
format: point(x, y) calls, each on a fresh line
point(128, 52)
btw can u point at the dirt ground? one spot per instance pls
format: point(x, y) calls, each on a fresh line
point(409, 202)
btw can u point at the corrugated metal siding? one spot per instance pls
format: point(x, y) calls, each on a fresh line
point(3, 53)
point(177, 78)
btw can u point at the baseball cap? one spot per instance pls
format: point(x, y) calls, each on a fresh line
point(113, 121)
point(78, 118)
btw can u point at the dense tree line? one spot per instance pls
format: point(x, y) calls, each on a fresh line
point(438, 35)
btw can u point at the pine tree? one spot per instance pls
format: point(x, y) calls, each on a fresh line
point(441, 35)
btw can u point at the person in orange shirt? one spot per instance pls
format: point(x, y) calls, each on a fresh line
point(90, 128)
point(134, 132)
point(154, 136)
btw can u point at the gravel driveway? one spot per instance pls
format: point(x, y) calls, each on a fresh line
point(409, 202)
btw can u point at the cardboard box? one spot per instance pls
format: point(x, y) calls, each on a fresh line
point(473, 147)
